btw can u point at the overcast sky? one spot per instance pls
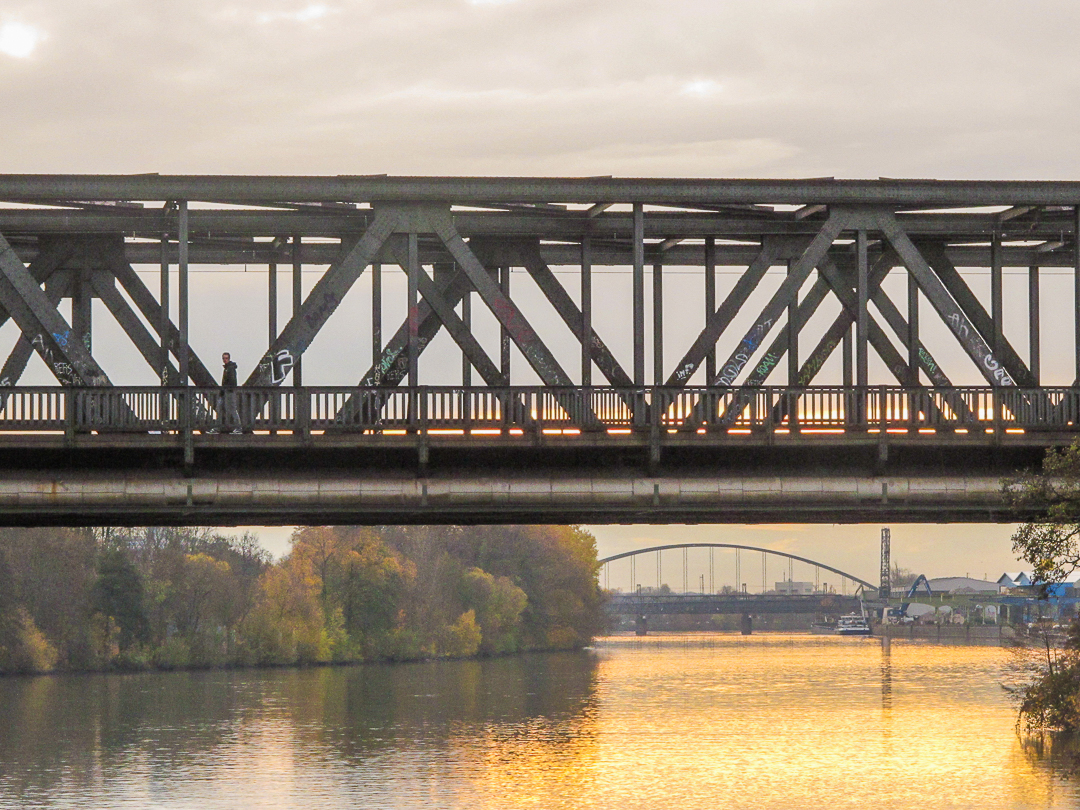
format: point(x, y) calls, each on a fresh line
point(845, 88)
point(850, 88)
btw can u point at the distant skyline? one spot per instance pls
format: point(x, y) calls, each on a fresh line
point(790, 88)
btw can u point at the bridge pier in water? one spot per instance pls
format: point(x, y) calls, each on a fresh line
point(746, 625)
point(641, 626)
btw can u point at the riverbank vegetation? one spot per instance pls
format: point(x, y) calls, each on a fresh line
point(81, 599)
point(1049, 697)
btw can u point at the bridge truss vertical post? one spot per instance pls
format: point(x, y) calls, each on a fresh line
point(182, 315)
point(376, 312)
point(792, 337)
point(1076, 290)
point(271, 302)
point(413, 304)
point(466, 319)
point(164, 323)
point(504, 333)
point(710, 305)
point(658, 324)
point(297, 301)
point(1034, 348)
point(639, 295)
point(862, 327)
point(997, 338)
point(586, 311)
point(913, 329)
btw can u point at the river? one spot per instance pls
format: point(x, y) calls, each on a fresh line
point(679, 721)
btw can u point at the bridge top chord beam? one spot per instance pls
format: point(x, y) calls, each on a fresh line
point(534, 190)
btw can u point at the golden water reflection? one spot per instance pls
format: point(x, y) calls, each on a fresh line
point(682, 721)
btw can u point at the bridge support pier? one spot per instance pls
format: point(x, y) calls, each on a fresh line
point(641, 626)
point(747, 624)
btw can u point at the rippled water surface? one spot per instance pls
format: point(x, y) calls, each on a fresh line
point(667, 721)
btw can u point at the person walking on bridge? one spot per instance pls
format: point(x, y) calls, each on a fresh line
point(227, 410)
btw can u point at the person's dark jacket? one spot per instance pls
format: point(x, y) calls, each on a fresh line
point(228, 375)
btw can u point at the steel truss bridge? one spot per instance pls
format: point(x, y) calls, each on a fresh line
point(618, 433)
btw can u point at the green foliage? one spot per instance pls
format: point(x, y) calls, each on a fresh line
point(1049, 542)
point(497, 604)
point(118, 595)
point(462, 638)
point(1049, 545)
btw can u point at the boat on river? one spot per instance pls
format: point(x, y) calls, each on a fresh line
point(853, 624)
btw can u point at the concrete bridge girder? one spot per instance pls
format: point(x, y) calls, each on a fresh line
point(141, 498)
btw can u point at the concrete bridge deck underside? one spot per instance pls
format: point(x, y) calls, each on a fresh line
point(266, 480)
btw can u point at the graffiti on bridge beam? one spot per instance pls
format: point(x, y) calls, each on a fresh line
point(924, 355)
point(739, 360)
point(768, 362)
point(976, 345)
point(322, 311)
point(63, 371)
point(396, 359)
point(814, 364)
point(278, 366)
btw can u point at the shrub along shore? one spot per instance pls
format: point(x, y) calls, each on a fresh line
point(165, 598)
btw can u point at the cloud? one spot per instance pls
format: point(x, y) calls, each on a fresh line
point(700, 88)
point(18, 40)
point(311, 13)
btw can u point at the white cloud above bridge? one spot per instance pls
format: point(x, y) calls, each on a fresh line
point(834, 87)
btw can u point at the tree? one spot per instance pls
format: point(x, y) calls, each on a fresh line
point(118, 595)
point(1049, 543)
point(900, 579)
point(497, 604)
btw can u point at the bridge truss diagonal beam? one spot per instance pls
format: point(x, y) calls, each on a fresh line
point(443, 309)
point(155, 315)
point(56, 288)
point(976, 313)
point(323, 300)
point(505, 311)
point(50, 259)
point(949, 311)
point(528, 255)
point(393, 363)
point(788, 291)
point(30, 307)
point(105, 287)
point(719, 321)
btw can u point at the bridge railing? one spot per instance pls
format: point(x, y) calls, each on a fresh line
point(535, 408)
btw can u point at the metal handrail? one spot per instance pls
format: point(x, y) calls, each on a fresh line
point(533, 409)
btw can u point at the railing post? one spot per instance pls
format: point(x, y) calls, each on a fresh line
point(303, 411)
point(186, 407)
point(996, 405)
point(654, 429)
point(70, 405)
point(422, 432)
